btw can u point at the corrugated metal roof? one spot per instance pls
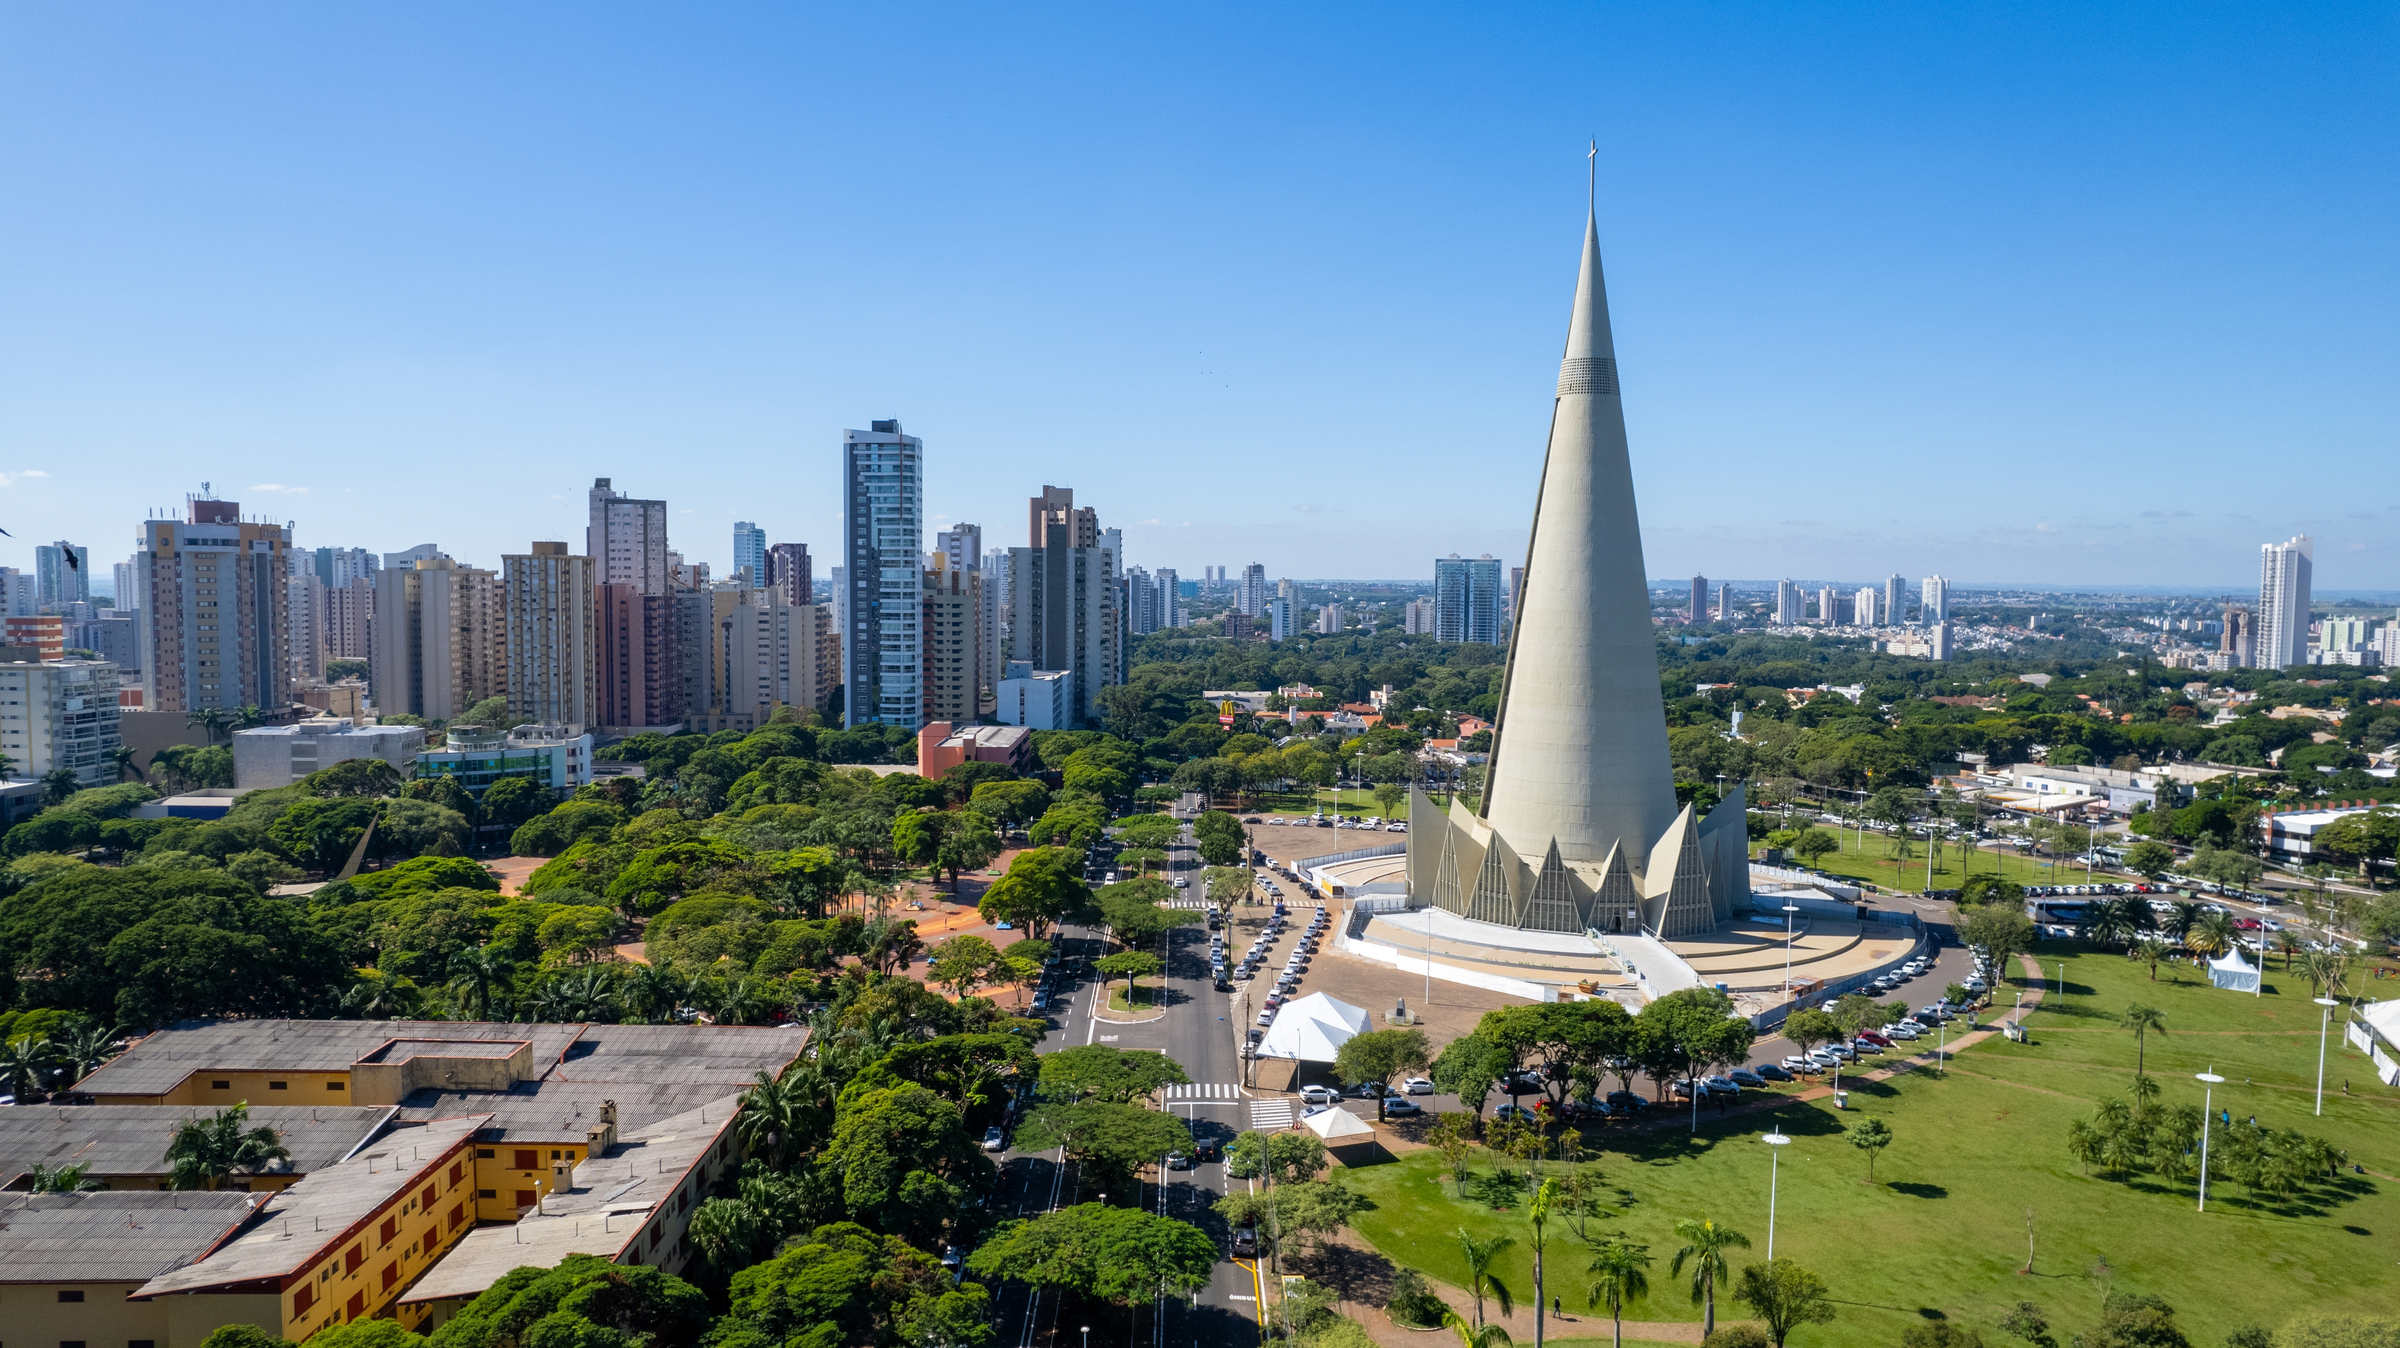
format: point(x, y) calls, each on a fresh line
point(564, 1111)
point(162, 1060)
point(611, 1202)
point(295, 1225)
point(125, 1235)
point(132, 1139)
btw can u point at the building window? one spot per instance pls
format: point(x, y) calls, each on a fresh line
point(357, 1306)
point(70, 1297)
point(485, 1153)
point(391, 1274)
point(220, 1085)
point(528, 1160)
point(279, 1086)
point(141, 1343)
point(487, 1193)
point(527, 1198)
point(336, 1085)
point(303, 1299)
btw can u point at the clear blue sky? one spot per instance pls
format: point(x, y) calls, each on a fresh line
point(2072, 293)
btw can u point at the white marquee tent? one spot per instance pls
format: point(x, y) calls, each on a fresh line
point(1339, 1126)
point(1313, 1029)
point(2233, 972)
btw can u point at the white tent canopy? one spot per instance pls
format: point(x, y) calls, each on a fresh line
point(2233, 972)
point(1337, 1126)
point(1313, 1029)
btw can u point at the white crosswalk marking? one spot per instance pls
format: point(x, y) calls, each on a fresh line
point(1206, 1090)
point(1270, 1113)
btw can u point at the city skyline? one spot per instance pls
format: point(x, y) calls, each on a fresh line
point(1900, 303)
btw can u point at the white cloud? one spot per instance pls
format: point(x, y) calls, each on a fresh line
point(2045, 528)
point(7, 478)
point(277, 488)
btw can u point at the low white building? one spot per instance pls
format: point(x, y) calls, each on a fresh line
point(2291, 834)
point(60, 714)
point(1038, 699)
point(2124, 791)
point(557, 756)
point(279, 755)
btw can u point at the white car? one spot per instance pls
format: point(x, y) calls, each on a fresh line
point(1319, 1095)
point(1417, 1086)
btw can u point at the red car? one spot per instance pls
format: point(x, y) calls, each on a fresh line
point(1878, 1040)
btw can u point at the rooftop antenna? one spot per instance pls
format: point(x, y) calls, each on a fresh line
point(1592, 191)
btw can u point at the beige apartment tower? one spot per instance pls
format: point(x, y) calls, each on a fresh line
point(551, 621)
point(215, 629)
point(953, 648)
point(439, 640)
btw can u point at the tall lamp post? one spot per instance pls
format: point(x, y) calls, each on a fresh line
point(2324, 1023)
point(1774, 1177)
point(2208, 1113)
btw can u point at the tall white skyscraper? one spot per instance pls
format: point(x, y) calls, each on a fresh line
point(1790, 604)
point(1725, 602)
point(1895, 601)
point(1329, 619)
point(1170, 597)
point(883, 532)
point(1466, 599)
point(750, 550)
point(626, 540)
point(126, 578)
point(961, 546)
point(1279, 618)
point(1253, 598)
point(1935, 607)
point(2283, 579)
point(1865, 617)
point(57, 583)
point(1829, 606)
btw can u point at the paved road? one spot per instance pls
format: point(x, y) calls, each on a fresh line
point(1197, 1032)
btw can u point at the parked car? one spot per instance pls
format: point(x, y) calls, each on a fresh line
point(1771, 1072)
point(1178, 1160)
point(1417, 1086)
point(1319, 1095)
point(1626, 1102)
point(1798, 1063)
point(1367, 1090)
point(1245, 1242)
point(994, 1139)
point(1743, 1076)
point(1512, 1111)
point(1400, 1107)
point(1725, 1084)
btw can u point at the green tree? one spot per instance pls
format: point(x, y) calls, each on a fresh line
point(2152, 952)
point(969, 844)
point(1807, 1029)
point(243, 1335)
point(2143, 1021)
point(66, 1179)
point(1108, 1141)
point(1620, 1271)
point(1940, 1334)
point(1381, 1055)
point(1870, 1135)
point(1220, 838)
point(2128, 1320)
point(1815, 843)
point(203, 1152)
point(1041, 888)
point(373, 1333)
point(1112, 1075)
point(1129, 965)
point(1784, 1296)
point(1281, 1158)
point(1136, 912)
point(1119, 1255)
point(2149, 858)
point(1704, 1247)
point(1480, 1255)
point(1015, 802)
point(903, 1159)
point(965, 963)
point(513, 802)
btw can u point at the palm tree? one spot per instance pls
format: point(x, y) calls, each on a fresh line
point(1475, 1336)
point(770, 1118)
point(2290, 944)
point(204, 1151)
point(2141, 1020)
point(588, 995)
point(2106, 922)
point(1480, 1278)
point(249, 717)
point(1705, 1244)
point(474, 973)
point(2211, 936)
point(26, 1063)
point(740, 1003)
point(122, 758)
point(86, 1047)
point(2327, 971)
point(1622, 1273)
point(67, 1179)
point(2186, 914)
point(210, 719)
point(1539, 1213)
point(2150, 952)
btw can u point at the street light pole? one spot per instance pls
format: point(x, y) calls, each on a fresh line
point(2208, 1112)
point(2324, 1023)
point(1774, 1177)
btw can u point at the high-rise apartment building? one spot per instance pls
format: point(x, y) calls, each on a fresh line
point(2345, 635)
point(788, 571)
point(305, 602)
point(1057, 505)
point(1279, 618)
point(1725, 602)
point(1140, 591)
point(2239, 641)
point(1935, 603)
point(1937, 640)
point(1791, 606)
point(961, 546)
point(626, 539)
point(339, 566)
point(994, 636)
point(1170, 598)
point(551, 621)
point(637, 680)
point(1418, 618)
point(402, 561)
point(440, 642)
point(1696, 608)
point(215, 627)
point(1062, 608)
point(126, 585)
point(1252, 600)
point(750, 550)
point(1329, 619)
point(952, 634)
point(2283, 593)
point(883, 535)
point(1895, 600)
point(1829, 606)
point(1865, 614)
point(349, 619)
point(755, 654)
point(59, 714)
point(1466, 599)
point(56, 581)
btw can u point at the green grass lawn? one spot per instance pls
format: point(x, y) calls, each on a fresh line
point(1874, 860)
point(1148, 995)
point(1358, 801)
point(1943, 1230)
